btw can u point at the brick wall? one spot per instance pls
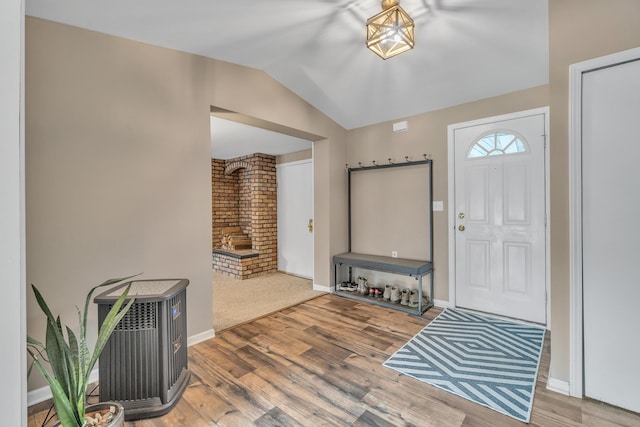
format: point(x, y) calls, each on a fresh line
point(225, 203)
point(247, 197)
point(240, 268)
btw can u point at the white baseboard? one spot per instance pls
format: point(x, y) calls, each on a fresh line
point(38, 395)
point(442, 303)
point(558, 386)
point(202, 336)
point(322, 288)
point(44, 393)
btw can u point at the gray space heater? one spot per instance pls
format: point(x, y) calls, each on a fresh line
point(144, 364)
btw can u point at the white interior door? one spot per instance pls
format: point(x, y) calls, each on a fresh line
point(500, 236)
point(610, 234)
point(295, 210)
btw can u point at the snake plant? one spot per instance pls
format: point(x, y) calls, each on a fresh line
point(69, 357)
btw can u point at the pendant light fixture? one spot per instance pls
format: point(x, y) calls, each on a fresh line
point(390, 32)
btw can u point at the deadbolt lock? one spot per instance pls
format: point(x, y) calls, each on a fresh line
point(461, 215)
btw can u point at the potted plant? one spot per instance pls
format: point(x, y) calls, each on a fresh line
point(71, 362)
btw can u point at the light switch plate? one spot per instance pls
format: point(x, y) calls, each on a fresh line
point(438, 206)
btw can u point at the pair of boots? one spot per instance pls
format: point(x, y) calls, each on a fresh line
point(392, 294)
point(411, 298)
point(405, 297)
point(363, 286)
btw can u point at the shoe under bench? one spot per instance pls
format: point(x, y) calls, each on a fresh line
point(343, 265)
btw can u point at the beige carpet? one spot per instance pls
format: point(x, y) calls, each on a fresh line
point(237, 301)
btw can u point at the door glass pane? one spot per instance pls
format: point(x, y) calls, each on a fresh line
point(497, 144)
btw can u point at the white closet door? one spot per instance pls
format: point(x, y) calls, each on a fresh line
point(295, 210)
point(611, 234)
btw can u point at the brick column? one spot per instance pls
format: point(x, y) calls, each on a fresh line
point(264, 220)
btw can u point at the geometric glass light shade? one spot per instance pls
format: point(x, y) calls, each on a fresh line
point(391, 31)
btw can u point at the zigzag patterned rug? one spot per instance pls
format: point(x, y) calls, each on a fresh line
point(489, 361)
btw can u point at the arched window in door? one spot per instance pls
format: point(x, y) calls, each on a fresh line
point(497, 143)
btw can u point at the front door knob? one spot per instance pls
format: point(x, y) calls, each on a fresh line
point(461, 227)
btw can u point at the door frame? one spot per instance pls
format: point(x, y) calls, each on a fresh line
point(576, 345)
point(451, 196)
point(313, 234)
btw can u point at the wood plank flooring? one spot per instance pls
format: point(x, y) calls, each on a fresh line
point(320, 364)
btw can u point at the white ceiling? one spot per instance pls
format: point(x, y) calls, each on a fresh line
point(231, 139)
point(465, 49)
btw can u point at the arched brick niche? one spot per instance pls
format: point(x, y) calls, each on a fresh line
point(244, 195)
point(234, 165)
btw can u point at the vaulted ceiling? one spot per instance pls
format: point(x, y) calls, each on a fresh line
point(465, 49)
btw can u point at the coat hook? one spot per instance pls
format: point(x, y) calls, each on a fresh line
point(390, 162)
point(346, 165)
point(425, 156)
point(360, 164)
point(374, 163)
point(406, 158)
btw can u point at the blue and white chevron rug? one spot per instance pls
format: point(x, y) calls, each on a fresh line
point(489, 361)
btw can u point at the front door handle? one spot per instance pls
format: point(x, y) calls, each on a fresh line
point(461, 227)
point(310, 226)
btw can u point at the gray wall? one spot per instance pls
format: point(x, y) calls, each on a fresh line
point(118, 170)
point(118, 177)
point(578, 30)
point(427, 134)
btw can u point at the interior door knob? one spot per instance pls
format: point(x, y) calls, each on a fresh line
point(461, 227)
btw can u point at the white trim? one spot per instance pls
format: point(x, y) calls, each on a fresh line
point(322, 288)
point(202, 336)
point(451, 194)
point(576, 71)
point(452, 215)
point(442, 303)
point(547, 211)
point(558, 386)
point(38, 395)
point(12, 215)
point(44, 393)
point(313, 212)
point(575, 232)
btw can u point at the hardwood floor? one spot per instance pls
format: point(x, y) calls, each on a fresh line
point(320, 364)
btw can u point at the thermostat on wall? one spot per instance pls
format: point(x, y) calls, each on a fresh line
point(401, 126)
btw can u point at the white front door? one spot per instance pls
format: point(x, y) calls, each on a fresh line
point(610, 235)
point(500, 236)
point(295, 210)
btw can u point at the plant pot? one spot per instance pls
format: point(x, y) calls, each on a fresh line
point(102, 407)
